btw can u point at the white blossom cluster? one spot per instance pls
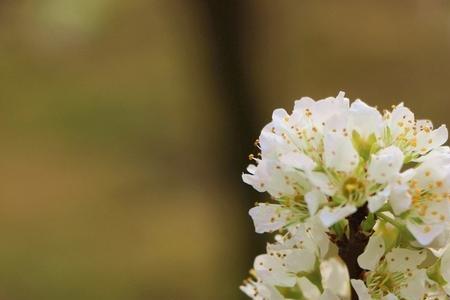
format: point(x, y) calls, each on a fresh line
point(324, 162)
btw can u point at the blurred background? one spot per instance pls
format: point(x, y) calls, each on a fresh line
point(125, 126)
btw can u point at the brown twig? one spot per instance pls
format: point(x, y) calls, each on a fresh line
point(352, 246)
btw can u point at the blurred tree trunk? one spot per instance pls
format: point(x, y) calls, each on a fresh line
point(224, 25)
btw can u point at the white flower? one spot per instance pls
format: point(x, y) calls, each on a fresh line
point(420, 196)
point(301, 251)
point(297, 252)
point(337, 156)
point(429, 215)
point(396, 273)
point(363, 291)
point(330, 159)
point(415, 138)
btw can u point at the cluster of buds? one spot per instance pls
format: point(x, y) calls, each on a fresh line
point(359, 204)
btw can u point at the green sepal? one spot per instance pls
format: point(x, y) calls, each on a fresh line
point(368, 224)
point(389, 233)
point(365, 147)
point(340, 228)
point(434, 273)
point(315, 276)
point(291, 292)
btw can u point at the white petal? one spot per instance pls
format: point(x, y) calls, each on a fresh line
point(298, 161)
point(309, 290)
point(330, 106)
point(250, 289)
point(440, 136)
point(330, 216)
point(401, 121)
point(365, 119)
point(390, 297)
point(269, 176)
point(339, 153)
point(424, 125)
point(361, 289)
point(304, 103)
point(406, 176)
point(442, 152)
point(318, 235)
point(328, 295)
point(385, 165)
point(425, 234)
point(429, 140)
point(269, 217)
point(331, 269)
point(415, 287)
point(400, 199)
point(337, 123)
point(440, 243)
point(314, 199)
point(299, 260)
point(322, 182)
point(261, 291)
point(372, 254)
point(403, 260)
point(378, 200)
point(434, 168)
point(270, 143)
point(271, 271)
point(280, 115)
point(254, 182)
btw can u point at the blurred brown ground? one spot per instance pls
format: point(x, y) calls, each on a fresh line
point(117, 128)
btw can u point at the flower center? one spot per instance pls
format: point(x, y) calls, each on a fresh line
point(353, 188)
point(381, 282)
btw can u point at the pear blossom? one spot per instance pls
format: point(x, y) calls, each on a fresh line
point(336, 169)
point(430, 212)
point(420, 197)
point(296, 252)
point(396, 274)
point(414, 137)
point(291, 260)
point(335, 156)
